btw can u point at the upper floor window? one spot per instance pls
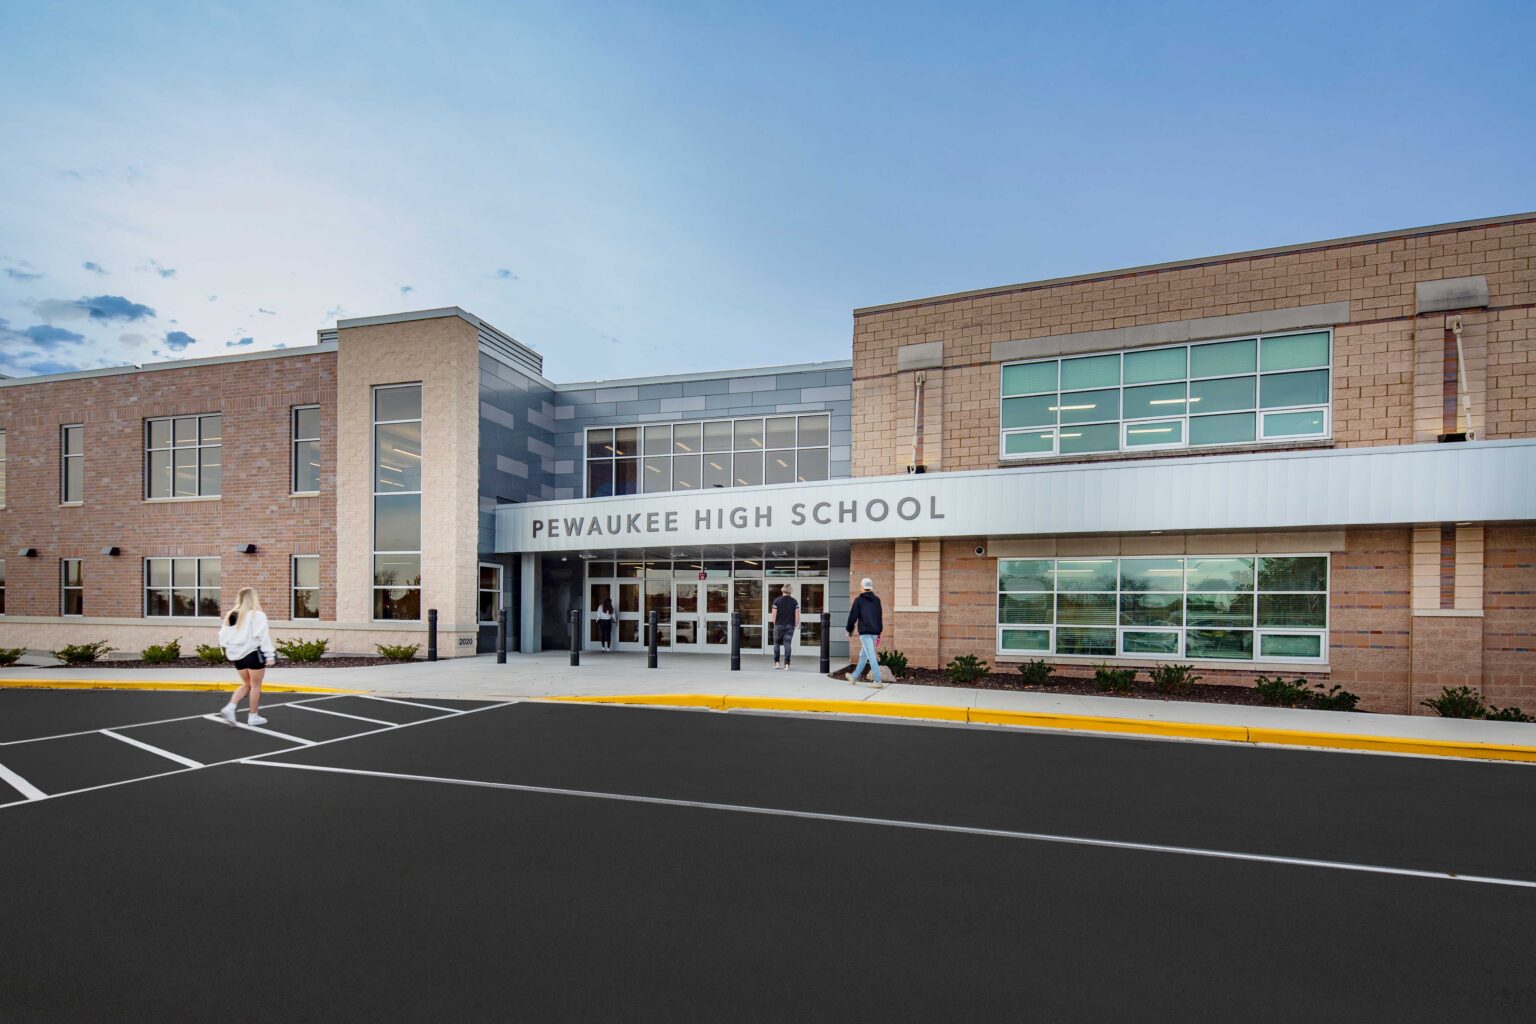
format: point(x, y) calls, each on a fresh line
point(397, 419)
point(1225, 392)
point(2, 469)
point(184, 587)
point(716, 453)
point(306, 449)
point(71, 586)
point(184, 457)
point(72, 463)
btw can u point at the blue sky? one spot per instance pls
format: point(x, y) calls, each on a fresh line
point(668, 187)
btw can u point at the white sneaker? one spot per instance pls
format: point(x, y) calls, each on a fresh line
point(255, 720)
point(227, 712)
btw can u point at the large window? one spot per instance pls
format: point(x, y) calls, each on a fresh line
point(715, 453)
point(72, 464)
point(1224, 392)
point(306, 587)
point(306, 449)
point(71, 586)
point(397, 502)
point(182, 587)
point(1248, 608)
point(183, 457)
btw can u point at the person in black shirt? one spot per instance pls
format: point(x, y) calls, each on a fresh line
point(786, 619)
point(865, 616)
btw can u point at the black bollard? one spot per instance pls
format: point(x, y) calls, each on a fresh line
point(501, 637)
point(575, 636)
point(650, 650)
point(826, 643)
point(735, 641)
point(431, 634)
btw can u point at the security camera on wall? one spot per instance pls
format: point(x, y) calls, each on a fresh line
point(981, 549)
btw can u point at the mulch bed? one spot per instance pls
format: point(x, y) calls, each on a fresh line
point(1203, 693)
point(339, 662)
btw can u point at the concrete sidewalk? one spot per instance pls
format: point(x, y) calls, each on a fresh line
point(707, 679)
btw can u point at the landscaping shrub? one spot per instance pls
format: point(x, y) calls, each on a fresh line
point(82, 654)
point(161, 654)
point(1115, 680)
point(1498, 714)
point(1036, 672)
point(302, 650)
point(893, 660)
point(1462, 702)
point(1282, 693)
point(213, 654)
point(11, 655)
point(1173, 678)
point(1334, 699)
point(966, 669)
point(396, 652)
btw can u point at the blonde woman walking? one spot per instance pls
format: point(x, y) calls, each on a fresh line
point(247, 644)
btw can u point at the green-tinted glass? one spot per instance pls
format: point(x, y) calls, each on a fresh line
point(1026, 639)
point(1234, 574)
point(1156, 400)
point(1293, 424)
point(1075, 640)
point(1293, 610)
point(1309, 387)
point(1151, 609)
point(1293, 351)
point(1277, 645)
point(1233, 428)
point(1149, 643)
point(1231, 644)
point(1143, 574)
point(1154, 432)
point(1086, 574)
point(1024, 609)
point(1089, 406)
point(1029, 378)
point(1305, 572)
point(1219, 610)
point(1030, 442)
point(1029, 412)
point(1158, 364)
point(1224, 394)
point(1025, 574)
point(1090, 372)
point(1086, 609)
point(1222, 358)
point(1105, 437)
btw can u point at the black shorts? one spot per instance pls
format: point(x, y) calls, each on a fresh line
point(253, 660)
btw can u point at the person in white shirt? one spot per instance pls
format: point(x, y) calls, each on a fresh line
point(604, 615)
point(247, 644)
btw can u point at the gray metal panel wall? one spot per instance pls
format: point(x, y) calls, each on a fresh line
point(515, 442)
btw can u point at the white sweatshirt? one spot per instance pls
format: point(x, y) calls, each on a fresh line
point(251, 634)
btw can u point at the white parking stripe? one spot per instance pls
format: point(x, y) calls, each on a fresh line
point(263, 731)
point(24, 787)
point(415, 704)
point(925, 826)
point(343, 714)
point(157, 721)
point(153, 750)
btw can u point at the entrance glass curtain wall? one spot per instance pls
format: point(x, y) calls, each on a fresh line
point(694, 599)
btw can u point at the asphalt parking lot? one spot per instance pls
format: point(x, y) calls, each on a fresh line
point(363, 859)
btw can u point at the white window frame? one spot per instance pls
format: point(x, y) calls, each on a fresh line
point(500, 584)
point(294, 588)
point(1182, 630)
point(374, 493)
point(197, 446)
point(2, 468)
point(64, 457)
point(641, 455)
point(197, 586)
point(64, 588)
point(1124, 422)
point(294, 441)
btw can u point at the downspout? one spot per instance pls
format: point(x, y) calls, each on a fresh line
point(1463, 399)
point(917, 422)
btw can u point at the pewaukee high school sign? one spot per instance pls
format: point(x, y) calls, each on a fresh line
point(724, 519)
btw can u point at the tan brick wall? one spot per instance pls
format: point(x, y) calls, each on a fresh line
point(1375, 368)
point(1509, 616)
point(254, 397)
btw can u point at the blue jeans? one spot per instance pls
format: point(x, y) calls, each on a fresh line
point(783, 636)
point(867, 656)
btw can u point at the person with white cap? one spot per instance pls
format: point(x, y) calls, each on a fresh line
point(865, 616)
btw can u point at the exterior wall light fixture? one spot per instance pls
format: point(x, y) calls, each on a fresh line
point(28, 552)
point(111, 552)
point(246, 549)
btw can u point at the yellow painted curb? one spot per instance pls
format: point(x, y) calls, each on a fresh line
point(1082, 723)
point(150, 684)
point(1093, 723)
point(1395, 744)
